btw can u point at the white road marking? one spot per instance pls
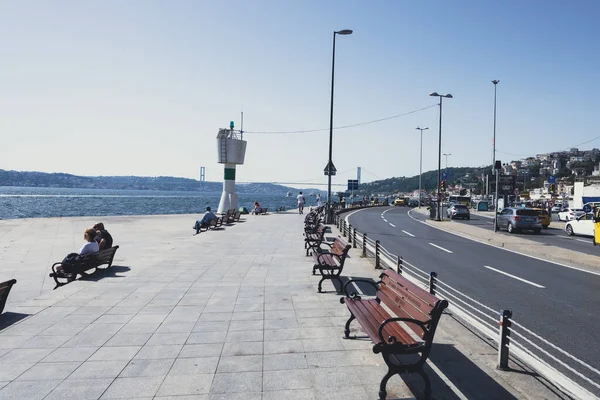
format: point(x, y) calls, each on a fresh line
point(409, 234)
point(582, 240)
point(441, 248)
point(385, 220)
point(515, 277)
point(392, 225)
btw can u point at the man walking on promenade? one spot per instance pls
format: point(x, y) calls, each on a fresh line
point(300, 200)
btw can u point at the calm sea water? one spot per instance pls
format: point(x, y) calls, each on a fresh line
point(19, 202)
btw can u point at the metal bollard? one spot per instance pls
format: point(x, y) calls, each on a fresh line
point(432, 279)
point(503, 342)
point(344, 228)
point(350, 234)
point(377, 260)
point(364, 245)
point(399, 261)
point(354, 239)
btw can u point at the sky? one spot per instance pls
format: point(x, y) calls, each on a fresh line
point(142, 87)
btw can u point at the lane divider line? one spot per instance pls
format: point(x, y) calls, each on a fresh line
point(409, 234)
point(441, 248)
point(515, 277)
point(385, 220)
point(392, 225)
point(583, 240)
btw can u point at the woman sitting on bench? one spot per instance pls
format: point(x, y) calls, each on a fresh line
point(257, 209)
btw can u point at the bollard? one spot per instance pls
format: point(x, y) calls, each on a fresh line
point(364, 245)
point(344, 228)
point(377, 260)
point(399, 262)
point(354, 239)
point(432, 279)
point(350, 234)
point(503, 342)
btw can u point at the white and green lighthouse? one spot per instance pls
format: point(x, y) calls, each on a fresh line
point(232, 151)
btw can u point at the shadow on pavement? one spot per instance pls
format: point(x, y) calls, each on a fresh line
point(361, 288)
point(9, 318)
point(102, 273)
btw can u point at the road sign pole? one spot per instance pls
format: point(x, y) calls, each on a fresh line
point(497, 172)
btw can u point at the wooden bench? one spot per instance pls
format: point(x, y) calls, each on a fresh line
point(69, 271)
point(4, 291)
point(313, 237)
point(212, 224)
point(264, 211)
point(330, 264)
point(407, 331)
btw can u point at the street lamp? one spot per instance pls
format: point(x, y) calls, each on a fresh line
point(330, 169)
point(495, 82)
point(421, 162)
point(439, 197)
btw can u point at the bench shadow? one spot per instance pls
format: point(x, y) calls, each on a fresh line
point(360, 288)
point(101, 273)
point(8, 318)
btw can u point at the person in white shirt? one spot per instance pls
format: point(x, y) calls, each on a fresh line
point(318, 198)
point(300, 200)
point(91, 246)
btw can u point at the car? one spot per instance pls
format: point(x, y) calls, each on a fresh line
point(413, 202)
point(544, 217)
point(557, 208)
point(568, 214)
point(399, 202)
point(582, 225)
point(458, 211)
point(515, 219)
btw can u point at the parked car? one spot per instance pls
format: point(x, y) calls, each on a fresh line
point(557, 208)
point(582, 225)
point(399, 202)
point(515, 219)
point(458, 211)
point(568, 214)
point(544, 217)
point(413, 202)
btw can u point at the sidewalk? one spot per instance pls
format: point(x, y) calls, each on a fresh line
point(228, 314)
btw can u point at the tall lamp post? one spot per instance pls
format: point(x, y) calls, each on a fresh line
point(421, 162)
point(495, 82)
point(446, 155)
point(330, 169)
point(439, 197)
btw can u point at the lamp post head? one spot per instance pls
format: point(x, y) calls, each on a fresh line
point(448, 96)
point(495, 81)
point(344, 32)
point(434, 94)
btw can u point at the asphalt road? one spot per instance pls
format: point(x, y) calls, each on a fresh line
point(559, 303)
point(555, 235)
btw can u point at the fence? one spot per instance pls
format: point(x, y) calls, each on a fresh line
point(572, 375)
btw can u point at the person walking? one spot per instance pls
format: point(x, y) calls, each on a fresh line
point(318, 199)
point(300, 201)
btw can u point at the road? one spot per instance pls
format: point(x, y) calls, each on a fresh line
point(559, 303)
point(555, 235)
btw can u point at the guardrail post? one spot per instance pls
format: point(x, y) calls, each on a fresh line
point(364, 245)
point(354, 239)
point(377, 260)
point(432, 281)
point(503, 342)
point(350, 234)
point(344, 228)
point(399, 261)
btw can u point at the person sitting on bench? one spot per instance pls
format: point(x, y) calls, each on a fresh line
point(202, 223)
point(103, 238)
point(257, 208)
point(91, 246)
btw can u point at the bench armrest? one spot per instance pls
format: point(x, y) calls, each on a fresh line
point(393, 339)
point(354, 295)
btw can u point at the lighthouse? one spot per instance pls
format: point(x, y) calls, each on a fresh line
point(232, 151)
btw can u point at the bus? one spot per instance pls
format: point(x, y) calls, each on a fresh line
point(466, 200)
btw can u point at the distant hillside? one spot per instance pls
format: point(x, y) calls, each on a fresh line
point(42, 179)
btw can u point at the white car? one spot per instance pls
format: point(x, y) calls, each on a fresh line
point(583, 225)
point(568, 214)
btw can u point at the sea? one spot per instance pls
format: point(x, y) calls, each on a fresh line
point(44, 202)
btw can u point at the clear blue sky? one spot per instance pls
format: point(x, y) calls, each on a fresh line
point(141, 87)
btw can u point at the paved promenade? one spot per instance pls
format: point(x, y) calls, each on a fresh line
point(228, 314)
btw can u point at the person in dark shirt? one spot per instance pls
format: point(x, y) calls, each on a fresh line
point(104, 239)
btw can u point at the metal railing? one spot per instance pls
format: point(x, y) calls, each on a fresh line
point(572, 375)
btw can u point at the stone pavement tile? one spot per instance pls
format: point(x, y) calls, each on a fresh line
point(281, 334)
point(194, 366)
point(298, 394)
point(336, 392)
point(70, 354)
point(10, 371)
point(181, 385)
point(123, 309)
point(279, 362)
point(238, 382)
point(288, 379)
point(314, 322)
point(312, 313)
point(242, 349)
point(246, 325)
point(158, 352)
point(211, 326)
point(357, 344)
point(147, 368)
point(78, 319)
point(278, 305)
point(221, 308)
point(161, 339)
point(331, 344)
point(25, 329)
point(79, 389)
point(337, 376)
point(233, 396)
point(201, 350)
point(279, 314)
point(214, 317)
point(169, 326)
point(10, 342)
point(129, 339)
point(240, 364)
point(123, 388)
point(99, 369)
point(115, 318)
point(156, 312)
point(321, 332)
point(24, 355)
point(189, 397)
point(283, 346)
point(30, 390)
point(244, 336)
point(247, 316)
point(46, 341)
point(330, 359)
point(49, 371)
point(206, 337)
point(115, 353)
point(140, 327)
point(245, 307)
point(148, 318)
point(285, 323)
point(64, 329)
point(96, 310)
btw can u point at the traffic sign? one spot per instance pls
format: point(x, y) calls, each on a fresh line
point(444, 176)
point(330, 169)
point(587, 208)
point(352, 184)
point(551, 179)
